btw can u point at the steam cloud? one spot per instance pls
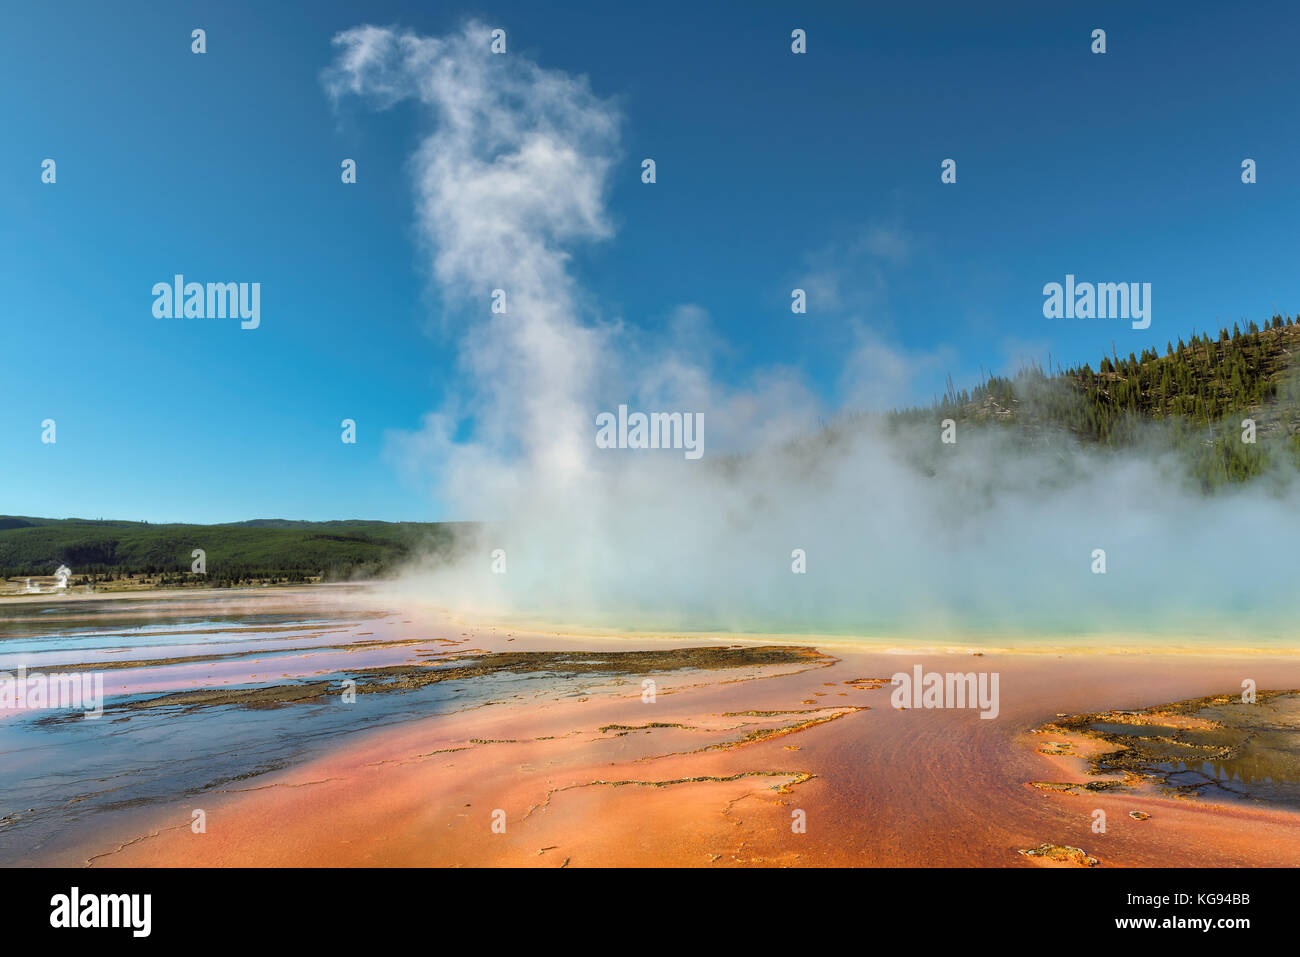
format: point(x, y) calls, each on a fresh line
point(510, 179)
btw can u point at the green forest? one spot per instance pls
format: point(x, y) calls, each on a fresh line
point(1191, 400)
point(268, 550)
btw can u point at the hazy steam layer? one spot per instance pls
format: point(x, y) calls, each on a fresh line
point(512, 175)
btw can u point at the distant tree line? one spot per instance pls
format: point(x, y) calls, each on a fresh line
point(1198, 391)
point(271, 551)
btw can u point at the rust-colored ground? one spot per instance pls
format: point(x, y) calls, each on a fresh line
point(716, 771)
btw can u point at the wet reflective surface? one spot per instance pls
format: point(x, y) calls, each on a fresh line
point(62, 769)
point(1221, 747)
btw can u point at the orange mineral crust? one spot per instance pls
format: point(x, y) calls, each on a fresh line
point(807, 765)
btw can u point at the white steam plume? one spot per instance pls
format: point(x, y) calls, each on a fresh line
point(511, 177)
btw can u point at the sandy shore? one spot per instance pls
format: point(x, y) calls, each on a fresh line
point(720, 768)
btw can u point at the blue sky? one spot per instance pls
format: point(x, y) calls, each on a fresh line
point(774, 171)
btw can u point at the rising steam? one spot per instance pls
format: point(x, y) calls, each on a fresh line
point(899, 534)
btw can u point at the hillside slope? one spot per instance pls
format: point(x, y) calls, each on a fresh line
point(264, 549)
point(1193, 399)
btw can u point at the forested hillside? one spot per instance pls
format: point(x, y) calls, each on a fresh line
point(1198, 391)
point(262, 550)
